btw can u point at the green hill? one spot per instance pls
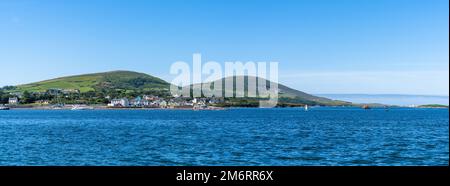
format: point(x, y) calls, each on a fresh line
point(99, 81)
point(286, 96)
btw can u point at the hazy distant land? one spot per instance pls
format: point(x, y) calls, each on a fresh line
point(390, 99)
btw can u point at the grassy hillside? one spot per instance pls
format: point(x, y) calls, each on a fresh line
point(98, 81)
point(287, 96)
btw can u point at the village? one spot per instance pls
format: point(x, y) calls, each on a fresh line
point(17, 100)
point(150, 101)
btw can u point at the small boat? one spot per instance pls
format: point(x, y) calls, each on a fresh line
point(78, 107)
point(4, 108)
point(306, 107)
point(365, 107)
point(56, 107)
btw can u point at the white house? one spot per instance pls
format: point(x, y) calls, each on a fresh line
point(163, 104)
point(139, 102)
point(13, 101)
point(150, 97)
point(119, 103)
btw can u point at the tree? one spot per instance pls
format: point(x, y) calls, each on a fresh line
point(3, 97)
point(28, 97)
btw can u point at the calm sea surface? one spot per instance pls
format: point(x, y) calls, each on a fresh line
point(291, 136)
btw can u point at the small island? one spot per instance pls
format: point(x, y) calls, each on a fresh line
point(432, 106)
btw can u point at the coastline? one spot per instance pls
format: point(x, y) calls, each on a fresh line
point(91, 107)
point(104, 107)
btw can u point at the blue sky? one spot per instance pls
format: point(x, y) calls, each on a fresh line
point(322, 46)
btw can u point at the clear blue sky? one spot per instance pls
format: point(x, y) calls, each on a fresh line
point(346, 46)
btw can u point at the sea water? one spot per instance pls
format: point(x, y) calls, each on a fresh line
point(241, 136)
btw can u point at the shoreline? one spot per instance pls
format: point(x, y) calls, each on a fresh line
point(69, 107)
point(104, 107)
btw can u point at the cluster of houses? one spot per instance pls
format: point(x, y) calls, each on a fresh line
point(157, 102)
point(14, 99)
point(148, 101)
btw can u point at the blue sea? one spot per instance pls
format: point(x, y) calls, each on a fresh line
point(279, 136)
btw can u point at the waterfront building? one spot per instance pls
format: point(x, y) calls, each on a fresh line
point(13, 101)
point(119, 103)
point(139, 102)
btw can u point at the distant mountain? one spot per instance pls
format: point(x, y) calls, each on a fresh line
point(433, 106)
point(139, 82)
point(391, 99)
point(99, 81)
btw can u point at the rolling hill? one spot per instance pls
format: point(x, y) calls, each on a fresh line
point(286, 96)
point(98, 81)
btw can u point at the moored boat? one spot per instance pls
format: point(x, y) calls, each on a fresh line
point(79, 107)
point(365, 107)
point(4, 108)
